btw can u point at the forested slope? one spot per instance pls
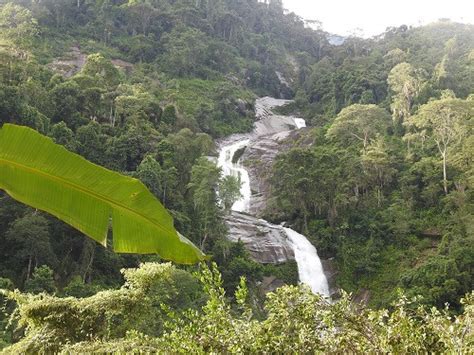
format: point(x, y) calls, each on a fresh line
point(386, 183)
point(141, 88)
point(145, 87)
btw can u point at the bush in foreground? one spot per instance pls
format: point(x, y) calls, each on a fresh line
point(159, 310)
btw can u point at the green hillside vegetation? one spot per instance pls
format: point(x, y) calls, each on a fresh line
point(390, 197)
point(130, 319)
point(381, 181)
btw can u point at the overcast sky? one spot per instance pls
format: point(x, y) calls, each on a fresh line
point(374, 16)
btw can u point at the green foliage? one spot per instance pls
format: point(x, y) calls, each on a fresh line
point(296, 321)
point(150, 173)
point(377, 205)
point(5, 336)
point(169, 115)
point(405, 84)
point(359, 123)
point(6, 284)
point(212, 104)
point(102, 70)
point(18, 24)
point(108, 314)
point(29, 238)
point(229, 191)
point(380, 211)
point(36, 172)
point(444, 123)
point(41, 281)
point(287, 272)
point(203, 185)
point(77, 288)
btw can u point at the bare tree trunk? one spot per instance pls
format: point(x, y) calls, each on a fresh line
point(204, 241)
point(305, 220)
point(379, 197)
point(164, 195)
point(445, 175)
point(112, 115)
point(89, 266)
point(87, 258)
point(28, 272)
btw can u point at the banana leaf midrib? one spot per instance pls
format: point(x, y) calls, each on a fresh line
point(89, 192)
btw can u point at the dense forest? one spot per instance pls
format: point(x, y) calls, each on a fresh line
point(381, 181)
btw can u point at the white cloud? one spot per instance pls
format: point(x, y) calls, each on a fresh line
point(373, 17)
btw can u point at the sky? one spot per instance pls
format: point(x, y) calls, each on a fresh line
point(374, 16)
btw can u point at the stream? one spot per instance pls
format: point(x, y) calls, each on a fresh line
point(242, 223)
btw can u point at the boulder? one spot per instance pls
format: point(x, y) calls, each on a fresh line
point(265, 242)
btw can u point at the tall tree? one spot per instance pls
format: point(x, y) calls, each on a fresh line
point(30, 237)
point(445, 122)
point(229, 191)
point(17, 23)
point(378, 167)
point(405, 84)
point(359, 123)
point(203, 186)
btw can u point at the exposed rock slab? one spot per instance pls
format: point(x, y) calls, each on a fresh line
point(258, 159)
point(71, 64)
point(266, 243)
point(330, 270)
point(270, 284)
point(264, 106)
point(270, 130)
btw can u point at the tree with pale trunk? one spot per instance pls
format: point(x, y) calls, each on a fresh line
point(359, 123)
point(378, 166)
point(18, 24)
point(446, 123)
point(405, 83)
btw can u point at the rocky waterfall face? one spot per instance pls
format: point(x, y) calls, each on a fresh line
point(229, 167)
point(310, 268)
point(266, 242)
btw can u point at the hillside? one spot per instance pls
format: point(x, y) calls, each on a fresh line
point(380, 181)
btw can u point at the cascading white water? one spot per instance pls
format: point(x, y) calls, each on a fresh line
point(235, 169)
point(310, 269)
point(300, 123)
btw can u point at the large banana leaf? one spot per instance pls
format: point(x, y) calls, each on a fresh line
point(44, 175)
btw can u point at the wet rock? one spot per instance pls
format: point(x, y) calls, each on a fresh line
point(330, 270)
point(264, 106)
point(362, 297)
point(258, 159)
point(270, 284)
point(266, 243)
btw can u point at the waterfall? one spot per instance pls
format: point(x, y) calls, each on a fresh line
point(310, 269)
point(300, 123)
point(226, 156)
